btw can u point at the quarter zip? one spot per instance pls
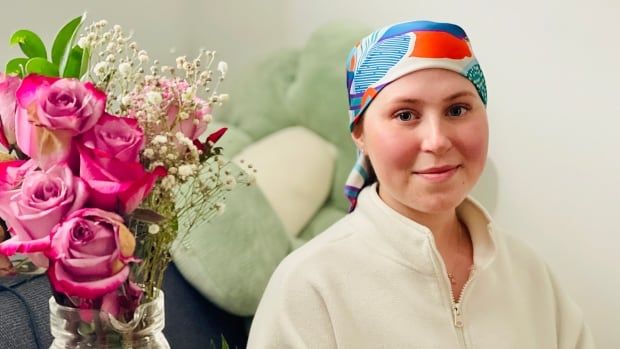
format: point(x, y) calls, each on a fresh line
point(457, 307)
point(458, 318)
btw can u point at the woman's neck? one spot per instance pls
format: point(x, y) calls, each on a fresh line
point(445, 226)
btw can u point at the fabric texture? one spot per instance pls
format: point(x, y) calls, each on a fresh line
point(15, 329)
point(376, 280)
point(395, 51)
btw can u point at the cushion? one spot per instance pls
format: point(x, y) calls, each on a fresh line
point(230, 258)
point(295, 169)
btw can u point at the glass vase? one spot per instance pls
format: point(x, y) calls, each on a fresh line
point(71, 330)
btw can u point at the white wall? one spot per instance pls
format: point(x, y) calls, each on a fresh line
point(242, 31)
point(552, 73)
point(158, 25)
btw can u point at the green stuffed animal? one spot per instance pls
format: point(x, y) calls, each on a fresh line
point(288, 117)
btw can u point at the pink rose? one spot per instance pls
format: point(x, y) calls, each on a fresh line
point(89, 253)
point(50, 112)
point(8, 105)
point(115, 185)
point(195, 122)
point(44, 199)
point(115, 135)
point(12, 173)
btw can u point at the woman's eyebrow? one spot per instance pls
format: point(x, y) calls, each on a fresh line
point(405, 99)
point(411, 100)
point(460, 94)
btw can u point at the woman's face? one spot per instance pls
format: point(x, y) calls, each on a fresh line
point(426, 135)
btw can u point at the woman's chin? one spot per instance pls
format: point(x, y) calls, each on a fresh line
point(435, 202)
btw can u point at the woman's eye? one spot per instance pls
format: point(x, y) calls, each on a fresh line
point(456, 110)
point(405, 116)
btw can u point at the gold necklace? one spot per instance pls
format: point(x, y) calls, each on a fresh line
point(458, 244)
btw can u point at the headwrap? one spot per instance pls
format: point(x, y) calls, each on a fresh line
point(395, 51)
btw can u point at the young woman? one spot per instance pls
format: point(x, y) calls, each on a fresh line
point(416, 263)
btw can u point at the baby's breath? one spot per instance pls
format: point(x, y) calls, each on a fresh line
point(173, 104)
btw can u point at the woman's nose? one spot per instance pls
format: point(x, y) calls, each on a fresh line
point(435, 136)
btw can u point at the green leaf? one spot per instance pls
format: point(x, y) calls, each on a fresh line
point(41, 66)
point(74, 63)
point(224, 343)
point(85, 61)
point(147, 215)
point(30, 43)
point(16, 66)
point(61, 48)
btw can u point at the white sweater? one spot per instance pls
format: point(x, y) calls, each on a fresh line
point(376, 280)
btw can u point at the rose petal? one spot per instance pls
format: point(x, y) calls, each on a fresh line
point(215, 136)
point(93, 267)
point(116, 185)
point(133, 196)
point(126, 242)
point(52, 147)
point(8, 105)
point(24, 132)
point(95, 212)
point(12, 172)
point(14, 245)
point(27, 92)
point(87, 289)
point(3, 140)
point(41, 144)
point(102, 244)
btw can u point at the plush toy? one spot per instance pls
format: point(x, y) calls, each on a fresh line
point(288, 117)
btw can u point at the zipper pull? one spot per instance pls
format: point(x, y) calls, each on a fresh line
point(458, 318)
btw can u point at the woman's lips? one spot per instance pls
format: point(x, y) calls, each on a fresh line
point(438, 174)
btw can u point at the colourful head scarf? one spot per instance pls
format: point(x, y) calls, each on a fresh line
point(395, 51)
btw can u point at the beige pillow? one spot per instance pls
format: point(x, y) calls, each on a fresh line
point(295, 172)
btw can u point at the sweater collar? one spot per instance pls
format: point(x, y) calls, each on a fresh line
point(409, 242)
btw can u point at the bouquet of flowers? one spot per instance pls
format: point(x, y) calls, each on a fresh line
point(106, 163)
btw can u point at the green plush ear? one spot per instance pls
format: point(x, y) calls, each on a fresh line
point(319, 95)
point(231, 258)
point(258, 96)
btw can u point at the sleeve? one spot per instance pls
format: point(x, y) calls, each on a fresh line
point(292, 314)
point(572, 331)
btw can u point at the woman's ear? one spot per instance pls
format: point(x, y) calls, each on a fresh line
point(358, 135)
